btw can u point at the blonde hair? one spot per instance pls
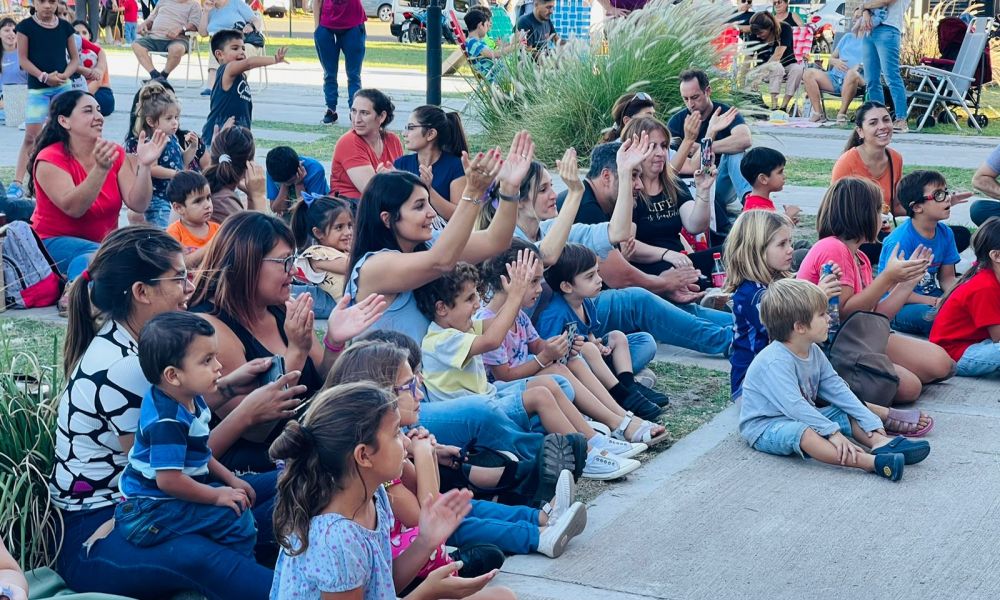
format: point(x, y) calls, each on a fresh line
point(154, 101)
point(787, 302)
point(668, 179)
point(746, 246)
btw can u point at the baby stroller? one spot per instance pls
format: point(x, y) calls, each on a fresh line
point(951, 32)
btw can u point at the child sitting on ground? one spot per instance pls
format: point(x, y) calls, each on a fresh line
point(514, 529)
point(291, 178)
point(575, 282)
point(454, 368)
point(968, 323)
point(524, 353)
point(171, 475)
point(779, 414)
point(324, 227)
point(191, 198)
point(764, 168)
point(925, 196)
point(332, 516)
point(230, 91)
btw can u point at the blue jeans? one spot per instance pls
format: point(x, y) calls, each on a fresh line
point(980, 360)
point(641, 348)
point(72, 255)
point(188, 562)
point(730, 187)
point(158, 212)
point(880, 55)
point(912, 318)
point(106, 100)
point(981, 210)
point(17, 210)
point(514, 529)
point(688, 326)
point(322, 302)
point(783, 437)
point(129, 32)
point(457, 422)
point(149, 522)
point(329, 44)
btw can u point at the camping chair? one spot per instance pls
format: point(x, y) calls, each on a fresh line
point(193, 50)
point(940, 89)
point(951, 33)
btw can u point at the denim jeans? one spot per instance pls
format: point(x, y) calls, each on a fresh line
point(329, 44)
point(323, 303)
point(72, 255)
point(514, 529)
point(188, 562)
point(457, 422)
point(981, 210)
point(129, 32)
point(17, 210)
point(688, 326)
point(912, 318)
point(980, 360)
point(105, 100)
point(641, 348)
point(880, 55)
point(149, 522)
point(158, 212)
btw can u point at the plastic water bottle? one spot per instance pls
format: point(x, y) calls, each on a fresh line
point(718, 271)
point(807, 109)
point(833, 309)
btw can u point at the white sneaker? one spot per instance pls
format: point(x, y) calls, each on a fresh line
point(602, 465)
point(564, 498)
point(620, 448)
point(646, 377)
point(598, 426)
point(553, 541)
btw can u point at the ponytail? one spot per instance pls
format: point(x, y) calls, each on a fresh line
point(232, 149)
point(859, 119)
point(153, 101)
point(318, 213)
point(450, 132)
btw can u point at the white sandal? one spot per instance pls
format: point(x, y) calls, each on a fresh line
point(644, 435)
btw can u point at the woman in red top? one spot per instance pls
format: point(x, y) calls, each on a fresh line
point(79, 181)
point(968, 324)
point(367, 146)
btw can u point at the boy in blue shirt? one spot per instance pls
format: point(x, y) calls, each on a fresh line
point(925, 196)
point(482, 57)
point(575, 282)
point(778, 414)
point(172, 483)
point(289, 176)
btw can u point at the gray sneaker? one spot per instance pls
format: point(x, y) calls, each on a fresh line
point(553, 541)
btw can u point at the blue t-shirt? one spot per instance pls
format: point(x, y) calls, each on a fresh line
point(850, 49)
point(554, 317)
point(234, 15)
point(474, 48)
point(342, 556)
point(447, 169)
point(943, 246)
point(169, 437)
point(749, 334)
point(11, 72)
point(594, 236)
point(315, 181)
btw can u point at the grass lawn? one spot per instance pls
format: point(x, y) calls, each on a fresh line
point(816, 172)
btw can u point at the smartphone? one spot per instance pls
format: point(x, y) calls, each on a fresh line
point(570, 331)
point(707, 156)
point(275, 372)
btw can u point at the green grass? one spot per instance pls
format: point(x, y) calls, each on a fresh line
point(696, 396)
point(816, 172)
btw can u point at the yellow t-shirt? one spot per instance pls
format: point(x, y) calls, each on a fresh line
point(449, 371)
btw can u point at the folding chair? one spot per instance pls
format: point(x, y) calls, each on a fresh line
point(939, 89)
point(193, 50)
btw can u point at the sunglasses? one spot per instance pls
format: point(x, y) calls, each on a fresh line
point(639, 97)
point(410, 386)
point(940, 195)
point(287, 263)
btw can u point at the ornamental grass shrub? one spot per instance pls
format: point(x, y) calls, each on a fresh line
point(565, 98)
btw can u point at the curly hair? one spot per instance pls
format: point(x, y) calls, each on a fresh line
point(445, 288)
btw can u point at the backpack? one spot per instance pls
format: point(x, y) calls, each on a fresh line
point(858, 355)
point(29, 273)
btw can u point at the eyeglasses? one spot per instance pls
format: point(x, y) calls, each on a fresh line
point(410, 386)
point(182, 276)
point(287, 263)
point(940, 195)
point(412, 126)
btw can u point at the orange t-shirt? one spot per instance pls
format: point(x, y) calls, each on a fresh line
point(188, 240)
point(850, 165)
point(353, 151)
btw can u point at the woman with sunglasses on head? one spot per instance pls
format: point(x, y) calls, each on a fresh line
point(244, 291)
point(627, 107)
point(437, 140)
point(785, 15)
point(137, 274)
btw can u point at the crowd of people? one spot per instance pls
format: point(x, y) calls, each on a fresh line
point(284, 383)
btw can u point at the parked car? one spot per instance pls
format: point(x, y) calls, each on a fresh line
point(381, 9)
point(402, 8)
point(833, 14)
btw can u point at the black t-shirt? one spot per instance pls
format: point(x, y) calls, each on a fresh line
point(676, 127)
point(590, 212)
point(539, 32)
point(657, 223)
point(785, 39)
point(235, 102)
point(46, 47)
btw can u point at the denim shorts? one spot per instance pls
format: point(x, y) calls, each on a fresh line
point(509, 400)
point(980, 360)
point(783, 437)
point(837, 80)
point(36, 110)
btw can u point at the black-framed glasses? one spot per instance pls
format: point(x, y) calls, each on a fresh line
point(410, 386)
point(287, 263)
point(184, 276)
point(412, 126)
point(940, 195)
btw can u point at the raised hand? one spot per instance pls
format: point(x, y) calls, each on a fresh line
point(627, 248)
point(515, 167)
point(692, 126)
point(721, 120)
point(569, 171)
point(348, 321)
point(299, 319)
point(279, 55)
point(426, 174)
point(441, 517)
point(481, 170)
point(148, 151)
point(633, 152)
point(704, 178)
point(273, 402)
point(899, 269)
point(519, 275)
point(105, 152)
